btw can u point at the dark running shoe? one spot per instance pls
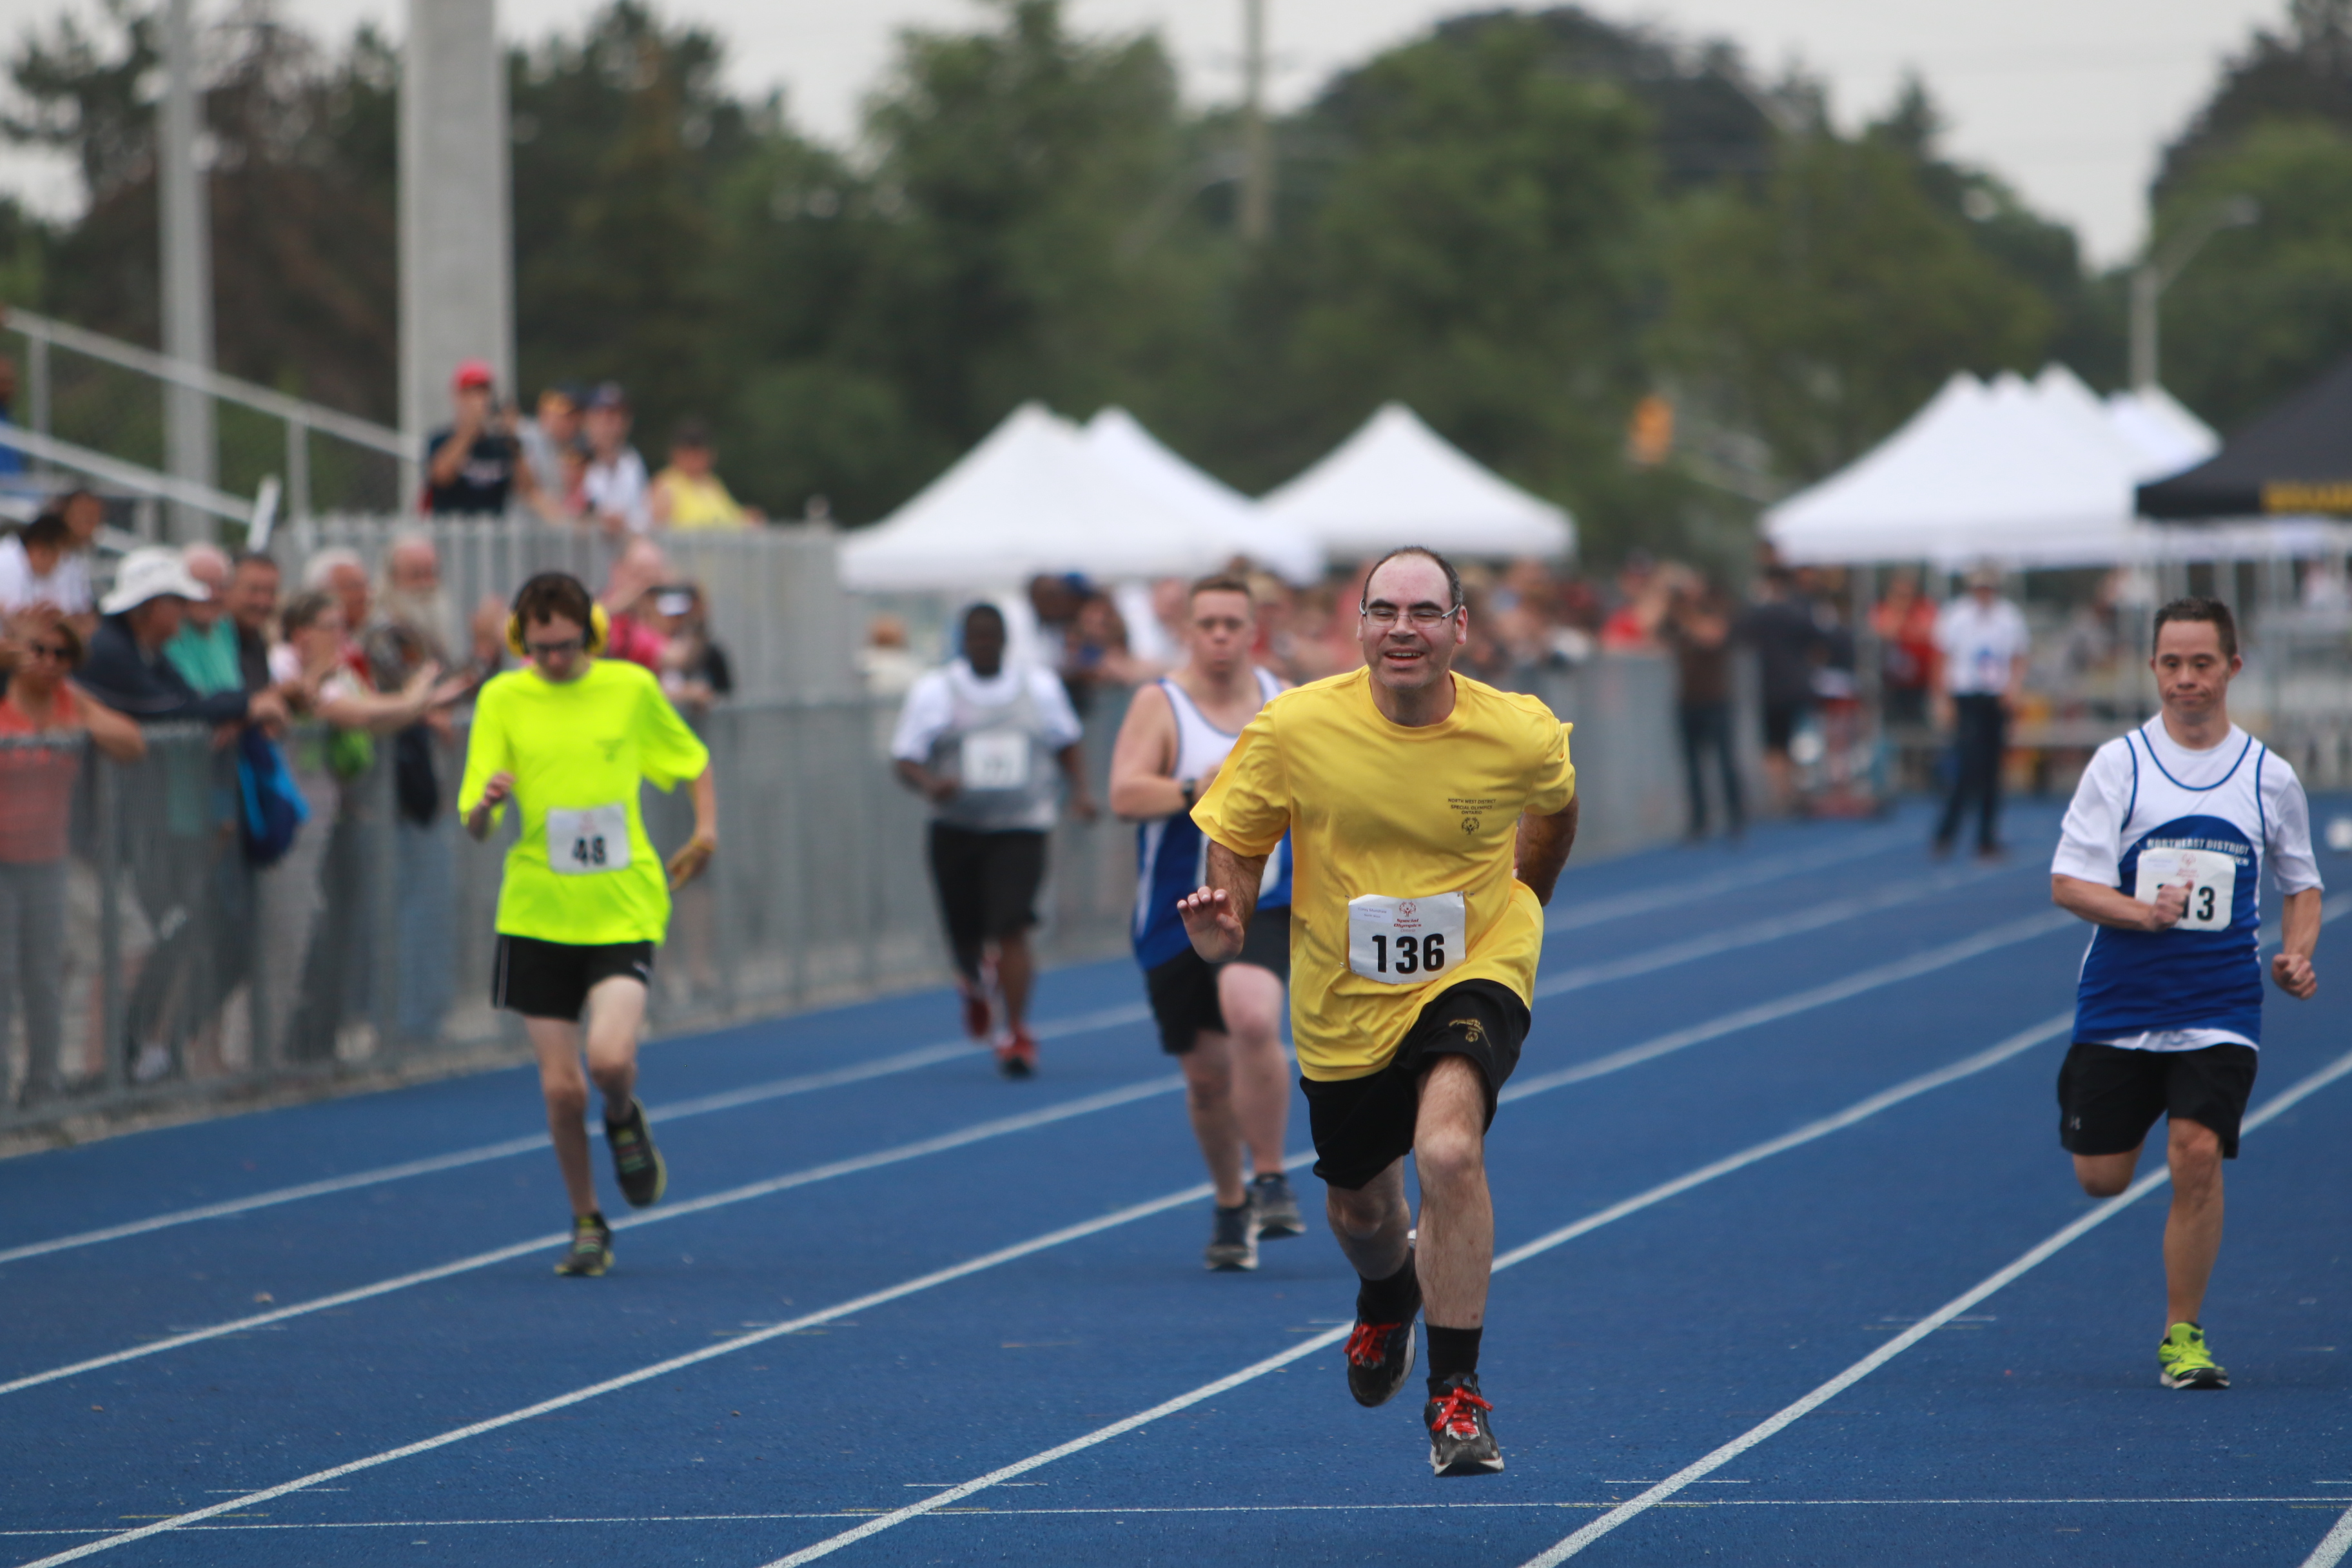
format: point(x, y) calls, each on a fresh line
point(1278, 1207)
point(1379, 1357)
point(976, 1015)
point(1460, 1441)
point(636, 1163)
point(591, 1252)
point(1017, 1057)
point(1232, 1244)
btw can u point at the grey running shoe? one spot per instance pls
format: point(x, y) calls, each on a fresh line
point(591, 1252)
point(1278, 1207)
point(1232, 1244)
point(1460, 1441)
point(637, 1165)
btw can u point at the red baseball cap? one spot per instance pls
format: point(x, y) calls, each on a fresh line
point(473, 373)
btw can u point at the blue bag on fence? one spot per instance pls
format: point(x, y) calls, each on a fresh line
point(274, 810)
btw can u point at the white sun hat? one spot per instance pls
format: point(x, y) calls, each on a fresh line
point(150, 574)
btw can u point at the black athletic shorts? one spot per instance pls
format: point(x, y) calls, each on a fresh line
point(1364, 1125)
point(1780, 722)
point(1184, 988)
point(987, 883)
point(2108, 1097)
point(550, 979)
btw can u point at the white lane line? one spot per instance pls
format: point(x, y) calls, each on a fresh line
point(1110, 1018)
point(753, 1094)
point(2332, 1545)
point(1599, 1067)
point(1921, 1085)
point(1902, 969)
point(1771, 868)
point(978, 1132)
point(2024, 1040)
point(1755, 932)
point(646, 1373)
point(2057, 1242)
point(1521, 1505)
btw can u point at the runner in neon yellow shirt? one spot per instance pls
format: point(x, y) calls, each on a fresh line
point(584, 901)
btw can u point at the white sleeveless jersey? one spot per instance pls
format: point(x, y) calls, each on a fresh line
point(1171, 853)
point(2151, 814)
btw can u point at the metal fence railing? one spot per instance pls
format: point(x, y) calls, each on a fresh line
point(144, 962)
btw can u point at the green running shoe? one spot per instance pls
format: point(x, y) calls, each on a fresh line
point(2185, 1362)
point(636, 1163)
point(591, 1248)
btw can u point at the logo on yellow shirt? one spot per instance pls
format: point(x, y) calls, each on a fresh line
point(1471, 810)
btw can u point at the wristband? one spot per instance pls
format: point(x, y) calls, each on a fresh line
point(1188, 786)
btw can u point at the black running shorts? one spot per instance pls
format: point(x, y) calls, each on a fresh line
point(1184, 989)
point(2108, 1097)
point(550, 979)
point(987, 883)
point(1364, 1125)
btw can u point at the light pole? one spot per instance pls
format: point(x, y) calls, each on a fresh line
point(1257, 153)
point(2155, 275)
point(191, 451)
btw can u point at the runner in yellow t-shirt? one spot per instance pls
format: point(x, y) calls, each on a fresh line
point(569, 739)
point(1428, 815)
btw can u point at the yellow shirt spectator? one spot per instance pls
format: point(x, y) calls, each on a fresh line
point(689, 500)
point(1382, 812)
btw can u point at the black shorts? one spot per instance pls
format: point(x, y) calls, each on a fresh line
point(987, 883)
point(1781, 721)
point(1364, 1125)
point(1184, 989)
point(550, 979)
point(2108, 1097)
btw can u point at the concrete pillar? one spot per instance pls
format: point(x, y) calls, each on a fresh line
point(457, 241)
point(191, 447)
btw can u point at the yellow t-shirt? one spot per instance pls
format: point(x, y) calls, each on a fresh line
point(1375, 807)
point(699, 503)
point(579, 749)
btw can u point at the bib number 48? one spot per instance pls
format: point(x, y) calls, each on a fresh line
point(585, 843)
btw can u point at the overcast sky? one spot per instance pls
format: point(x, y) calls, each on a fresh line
point(2069, 100)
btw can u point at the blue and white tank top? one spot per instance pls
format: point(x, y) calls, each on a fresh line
point(1172, 853)
point(2205, 972)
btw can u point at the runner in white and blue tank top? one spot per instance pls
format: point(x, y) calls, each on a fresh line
point(1223, 1023)
point(2163, 851)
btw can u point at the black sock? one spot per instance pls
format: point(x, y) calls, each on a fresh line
point(594, 1217)
point(1390, 1301)
point(1451, 1350)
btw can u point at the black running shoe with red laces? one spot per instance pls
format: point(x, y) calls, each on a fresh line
point(1460, 1441)
point(1379, 1357)
point(977, 1019)
point(637, 1165)
point(1016, 1055)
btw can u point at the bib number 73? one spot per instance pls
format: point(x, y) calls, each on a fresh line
point(1406, 941)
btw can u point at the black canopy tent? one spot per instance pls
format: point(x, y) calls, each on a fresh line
point(2295, 460)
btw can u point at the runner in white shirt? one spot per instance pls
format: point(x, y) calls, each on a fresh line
point(1983, 642)
point(982, 740)
point(2163, 851)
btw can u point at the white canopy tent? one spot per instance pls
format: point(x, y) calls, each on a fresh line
point(1031, 498)
point(2036, 474)
point(1222, 512)
point(1396, 481)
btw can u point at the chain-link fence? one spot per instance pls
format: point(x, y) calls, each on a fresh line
point(144, 960)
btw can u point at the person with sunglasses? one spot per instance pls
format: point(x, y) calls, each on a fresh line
point(568, 739)
point(42, 721)
point(1430, 815)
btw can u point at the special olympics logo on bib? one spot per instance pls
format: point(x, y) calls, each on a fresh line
point(1407, 911)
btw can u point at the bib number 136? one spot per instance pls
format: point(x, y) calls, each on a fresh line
point(1406, 941)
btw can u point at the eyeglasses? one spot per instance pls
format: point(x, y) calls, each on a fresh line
point(56, 650)
point(1380, 613)
point(554, 649)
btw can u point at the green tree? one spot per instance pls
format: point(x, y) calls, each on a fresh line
point(2302, 73)
point(1823, 312)
point(2268, 306)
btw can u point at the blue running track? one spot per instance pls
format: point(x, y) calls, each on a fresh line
point(1785, 1108)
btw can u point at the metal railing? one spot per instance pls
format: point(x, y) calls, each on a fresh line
point(147, 944)
point(103, 396)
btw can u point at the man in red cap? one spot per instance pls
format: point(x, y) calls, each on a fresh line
point(474, 465)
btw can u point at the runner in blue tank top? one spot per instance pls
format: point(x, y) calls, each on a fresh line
point(1222, 1022)
point(2163, 851)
